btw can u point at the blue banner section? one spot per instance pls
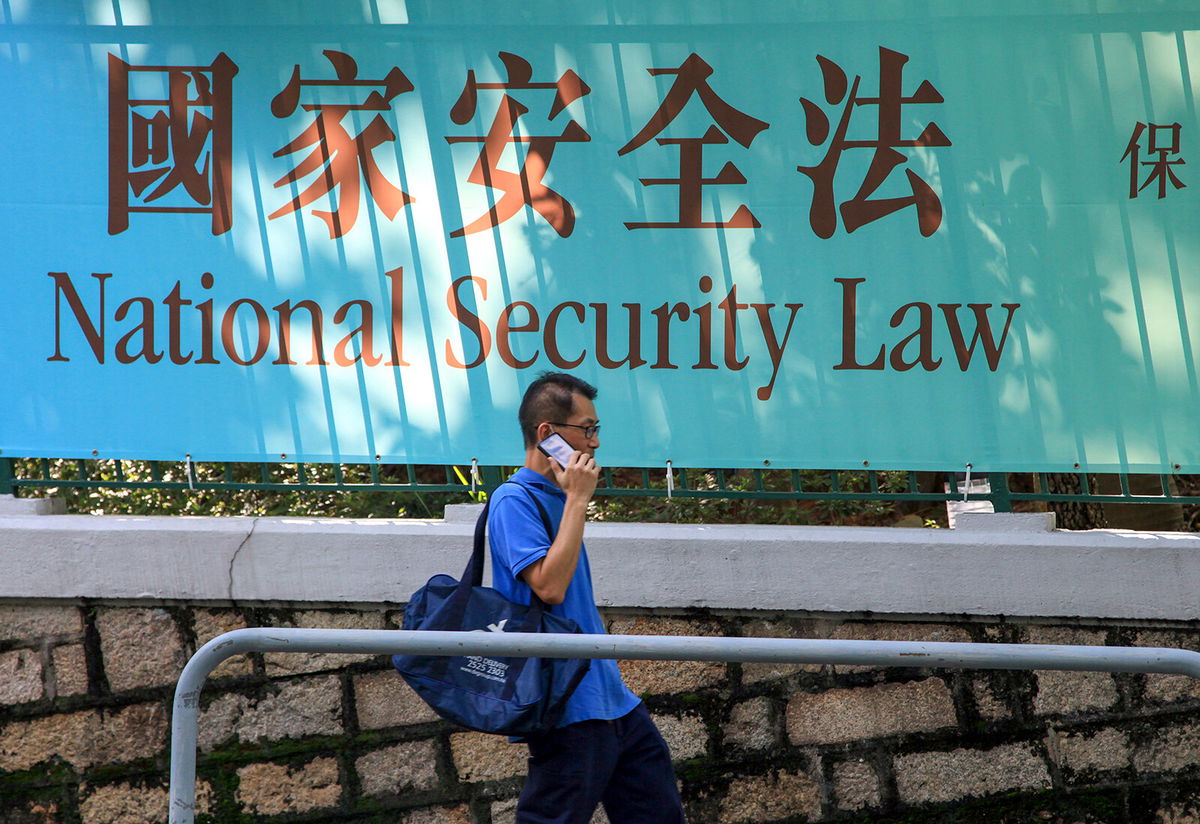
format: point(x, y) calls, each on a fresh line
point(786, 234)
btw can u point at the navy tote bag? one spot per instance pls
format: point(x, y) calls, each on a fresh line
point(509, 696)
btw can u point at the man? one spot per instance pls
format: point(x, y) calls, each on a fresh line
point(605, 748)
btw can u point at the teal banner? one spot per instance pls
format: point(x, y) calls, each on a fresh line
point(789, 234)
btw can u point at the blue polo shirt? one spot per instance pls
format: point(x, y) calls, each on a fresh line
point(518, 539)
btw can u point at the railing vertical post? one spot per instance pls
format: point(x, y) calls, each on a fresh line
point(7, 485)
point(1001, 494)
point(185, 720)
point(492, 478)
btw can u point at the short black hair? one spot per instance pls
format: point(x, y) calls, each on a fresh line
point(550, 398)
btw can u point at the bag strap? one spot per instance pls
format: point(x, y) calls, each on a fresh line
point(474, 570)
point(541, 511)
point(533, 618)
point(473, 574)
point(456, 606)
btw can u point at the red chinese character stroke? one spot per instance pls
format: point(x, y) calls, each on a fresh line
point(342, 160)
point(862, 209)
point(1160, 167)
point(691, 78)
point(178, 146)
point(525, 187)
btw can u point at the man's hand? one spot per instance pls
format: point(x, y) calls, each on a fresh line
point(579, 477)
point(550, 576)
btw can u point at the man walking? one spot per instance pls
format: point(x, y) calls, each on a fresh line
point(605, 748)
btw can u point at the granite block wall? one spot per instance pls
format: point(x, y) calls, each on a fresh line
point(85, 698)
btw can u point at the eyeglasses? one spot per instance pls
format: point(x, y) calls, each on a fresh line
point(589, 432)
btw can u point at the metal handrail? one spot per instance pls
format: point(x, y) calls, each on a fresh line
point(186, 714)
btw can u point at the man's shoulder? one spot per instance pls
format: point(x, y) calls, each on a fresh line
point(523, 503)
point(512, 498)
point(524, 484)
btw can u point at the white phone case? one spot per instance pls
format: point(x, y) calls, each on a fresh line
point(557, 448)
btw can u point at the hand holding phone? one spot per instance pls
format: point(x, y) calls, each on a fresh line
point(576, 473)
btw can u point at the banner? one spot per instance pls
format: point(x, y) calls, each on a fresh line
point(778, 234)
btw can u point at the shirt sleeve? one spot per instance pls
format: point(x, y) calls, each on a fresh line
point(518, 536)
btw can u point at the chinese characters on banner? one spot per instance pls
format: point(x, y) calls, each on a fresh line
point(859, 210)
point(691, 78)
point(182, 146)
point(526, 187)
point(170, 141)
point(172, 153)
point(340, 158)
point(1162, 141)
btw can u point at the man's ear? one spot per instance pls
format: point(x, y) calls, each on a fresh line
point(543, 431)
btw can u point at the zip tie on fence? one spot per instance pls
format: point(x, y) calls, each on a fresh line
point(670, 480)
point(474, 474)
point(967, 485)
point(187, 467)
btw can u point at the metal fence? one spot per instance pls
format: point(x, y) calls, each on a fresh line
point(1002, 490)
point(186, 711)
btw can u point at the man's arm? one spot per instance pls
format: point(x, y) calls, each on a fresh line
point(550, 576)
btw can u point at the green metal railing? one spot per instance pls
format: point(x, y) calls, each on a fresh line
point(278, 477)
point(1003, 490)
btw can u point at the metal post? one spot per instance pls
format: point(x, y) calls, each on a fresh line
point(7, 487)
point(492, 478)
point(645, 647)
point(1001, 495)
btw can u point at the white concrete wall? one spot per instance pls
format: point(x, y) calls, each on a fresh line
point(992, 565)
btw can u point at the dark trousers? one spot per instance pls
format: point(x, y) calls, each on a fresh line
point(624, 764)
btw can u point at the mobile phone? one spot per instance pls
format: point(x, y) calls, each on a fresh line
point(557, 448)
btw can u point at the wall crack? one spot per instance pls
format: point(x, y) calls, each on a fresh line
point(234, 557)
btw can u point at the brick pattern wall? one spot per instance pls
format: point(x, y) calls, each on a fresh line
point(85, 698)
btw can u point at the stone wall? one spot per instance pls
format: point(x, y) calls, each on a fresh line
point(85, 697)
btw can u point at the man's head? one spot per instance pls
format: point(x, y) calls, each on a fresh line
point(559, 399)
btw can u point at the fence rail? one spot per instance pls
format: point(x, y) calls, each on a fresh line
point(1002, 490)
point(186, 712)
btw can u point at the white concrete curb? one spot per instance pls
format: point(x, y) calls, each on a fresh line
point(984, 569)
